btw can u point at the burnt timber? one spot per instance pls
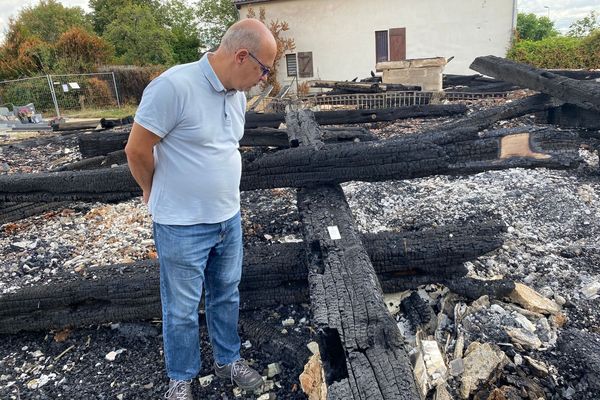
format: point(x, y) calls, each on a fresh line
point(102, 143)
point(255, 120)
point(582, 93)
point(275, 274)
point(449, 153)
point(361, 348)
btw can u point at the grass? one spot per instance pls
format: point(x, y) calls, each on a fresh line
point(109, 112)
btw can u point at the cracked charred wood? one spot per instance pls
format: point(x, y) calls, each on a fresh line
point(101, 143)
point(291, 350)
point(361, 87)
point(473, 289)
point(97, 144)
point(255, 120)
point(408, 157)
point(580, 74)
point(419, 313)
point(571, 116)
point(480, 120)
point(10, 212)
point(116, 157)
point(585, 94)
point(361, 347)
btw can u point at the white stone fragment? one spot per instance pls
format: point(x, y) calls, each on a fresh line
point(111, 356)
point(273, 369)
point(206, 380)
point(288, 322)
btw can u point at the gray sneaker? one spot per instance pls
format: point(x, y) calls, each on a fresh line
point(241, 374)
point(179, 390)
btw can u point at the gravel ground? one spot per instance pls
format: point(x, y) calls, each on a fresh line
point(551, 245)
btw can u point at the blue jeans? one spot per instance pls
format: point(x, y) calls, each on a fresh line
point(190, 257)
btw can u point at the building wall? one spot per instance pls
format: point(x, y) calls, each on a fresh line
point(341, 33)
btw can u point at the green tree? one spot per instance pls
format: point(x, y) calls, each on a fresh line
point(216, 16)
point(532, 27)
point(182, 21)
point(585, 26)
point(48, 20)
point(105, 11)
point(138, 37)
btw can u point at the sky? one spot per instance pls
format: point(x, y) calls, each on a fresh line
point(562, 12)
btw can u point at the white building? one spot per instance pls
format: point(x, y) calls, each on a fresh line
point(343, 39)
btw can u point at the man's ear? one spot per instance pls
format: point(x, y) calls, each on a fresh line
point(241, 55)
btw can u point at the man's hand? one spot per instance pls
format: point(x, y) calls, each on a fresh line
point(140, 157)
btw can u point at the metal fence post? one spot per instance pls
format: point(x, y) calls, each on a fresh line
point(116, 91)
point(53, 94)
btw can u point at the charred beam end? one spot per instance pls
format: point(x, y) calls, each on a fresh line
point(585, 94)
point(347, 302)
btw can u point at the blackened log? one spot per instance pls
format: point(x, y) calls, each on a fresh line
point(75, 126)
point(347, 304)
point(483, 119)
point(571, 116)
point(585, 94)
point(103, 143)
point(403, 158)
point(255, 120)
point(419, 313)
point(580, 74)
point(10, 212)
point(362, 87)
point(473, 289)
point(114, 158)
point(274, 274)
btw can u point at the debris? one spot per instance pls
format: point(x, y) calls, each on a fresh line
point(111, 356)
point(206, 380)
point(312, 379)
point(533, 301)
point(481, 362)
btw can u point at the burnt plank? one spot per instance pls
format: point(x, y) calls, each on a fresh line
point(583, 93)
point(346, 297)
point(414, 156)
point(275, 274)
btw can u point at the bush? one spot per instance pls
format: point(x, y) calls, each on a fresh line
point(98, 93)
point(555, 52)
point(131, 81)
point(34, 91)
point(591, 47)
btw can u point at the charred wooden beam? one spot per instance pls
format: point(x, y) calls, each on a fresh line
point(404, 158)
point(585, 94)
point(10, 212)
point(255, 120)
point(483, 119)
point(274, 274)
point(362, 87)
point(348, 307)
point(106, 142)
point(571, 116)
point(76, 126)
point(361, 348)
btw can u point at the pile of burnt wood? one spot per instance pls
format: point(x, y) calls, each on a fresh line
point(341, 272)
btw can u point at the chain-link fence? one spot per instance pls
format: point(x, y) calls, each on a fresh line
point(62, 93)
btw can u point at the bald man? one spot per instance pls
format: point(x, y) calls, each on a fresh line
point(183, 152)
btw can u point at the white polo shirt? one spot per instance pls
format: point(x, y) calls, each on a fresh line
point(197, 163)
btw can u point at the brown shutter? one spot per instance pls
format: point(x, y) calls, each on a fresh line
point(381, 46)
point(305, 64)
point(397, 44)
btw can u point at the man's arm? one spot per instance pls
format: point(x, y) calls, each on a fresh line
point(140, 157)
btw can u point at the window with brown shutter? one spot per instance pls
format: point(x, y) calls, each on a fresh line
point(381, 46)
point(305, 64)
point(292, 64)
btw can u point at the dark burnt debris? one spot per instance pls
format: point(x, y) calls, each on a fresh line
point(448, 251)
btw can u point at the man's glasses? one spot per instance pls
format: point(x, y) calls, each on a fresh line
point(265, 70)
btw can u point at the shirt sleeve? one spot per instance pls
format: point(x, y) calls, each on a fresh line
point(160, 108)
